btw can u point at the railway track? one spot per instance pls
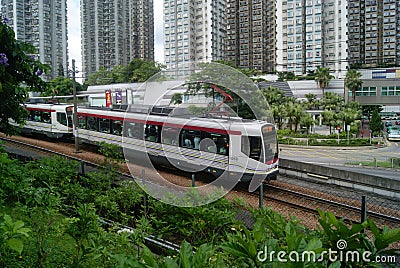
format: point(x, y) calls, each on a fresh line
point(281, 195)
point(274, 194)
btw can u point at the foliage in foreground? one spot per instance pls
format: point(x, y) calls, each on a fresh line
point(51, 217)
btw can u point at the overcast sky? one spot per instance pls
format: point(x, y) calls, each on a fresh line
point(74, 32)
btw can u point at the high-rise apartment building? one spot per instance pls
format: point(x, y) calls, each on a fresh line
point(312, 33)
point(194, 30)
point(42, 24)
point(114, 32)
point(251, 34)
point(142, 29)
point(374, 33)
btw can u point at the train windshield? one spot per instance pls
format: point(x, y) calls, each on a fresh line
point(251, 146)
point(270, 144)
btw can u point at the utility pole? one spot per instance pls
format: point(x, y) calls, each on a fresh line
point(75, 114)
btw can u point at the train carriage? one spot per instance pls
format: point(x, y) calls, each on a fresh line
point(52, 120)
point(196, 144)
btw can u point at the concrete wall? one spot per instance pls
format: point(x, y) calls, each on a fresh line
point(337, 176)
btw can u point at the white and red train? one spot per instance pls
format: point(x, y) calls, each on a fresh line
point(52, 120)
point(169, 137)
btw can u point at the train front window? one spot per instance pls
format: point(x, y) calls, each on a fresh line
point(251, 146)
point(270, 143)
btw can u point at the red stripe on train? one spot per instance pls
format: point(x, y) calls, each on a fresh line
point(189, 127)
point(270, 162)
point(40, 109)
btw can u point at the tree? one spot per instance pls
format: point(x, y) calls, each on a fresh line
point(307, 121)
point(19, 74)
point(101, 77)
point(367, 110)
point(332, 101)
point(61, 86)
point(233, 82)
point(294, 112)
point(274, 95)
point(312, 101)
point(279, 114)
point(375, 123)
point(286, 76)
point(323, 77)
point(137, 70)
point(349, 115)
point(353, 82)
point(140, 70)
point(176, 98)
point(329, 117)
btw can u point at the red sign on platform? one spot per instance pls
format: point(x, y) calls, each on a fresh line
point(108, 98)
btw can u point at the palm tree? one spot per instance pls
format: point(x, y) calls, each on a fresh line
point(312, 101)
point(329, 118)
point(307, 121)
point(294, 112)
point(332, 101)
point(279, 113)
point(353, 82)
point(323, 77)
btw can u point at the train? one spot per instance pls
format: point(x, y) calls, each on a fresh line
point(171, 136)
point(50, 119)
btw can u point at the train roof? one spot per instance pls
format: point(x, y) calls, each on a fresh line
point(169, 111)
point(47, 102)
point(168, 114)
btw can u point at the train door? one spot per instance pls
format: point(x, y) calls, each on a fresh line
point(70, 121)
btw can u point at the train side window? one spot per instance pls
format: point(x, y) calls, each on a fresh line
point(82, 122)
point(170, 135)
point(46, 117)
point(117, 127)
point(104, 125)
point(31, 116)
point(190, 139)
point(251, 146)
point(37, 116)
point(62, 118)
point(215, 143)
point(92, 123)
point(152, 133)
point(134, 130)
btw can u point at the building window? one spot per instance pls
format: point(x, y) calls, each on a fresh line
point(390, 91)
point(366, 91)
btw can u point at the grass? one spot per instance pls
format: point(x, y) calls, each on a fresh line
point(386, 164)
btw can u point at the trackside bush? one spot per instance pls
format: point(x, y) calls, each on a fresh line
point(55, 222)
